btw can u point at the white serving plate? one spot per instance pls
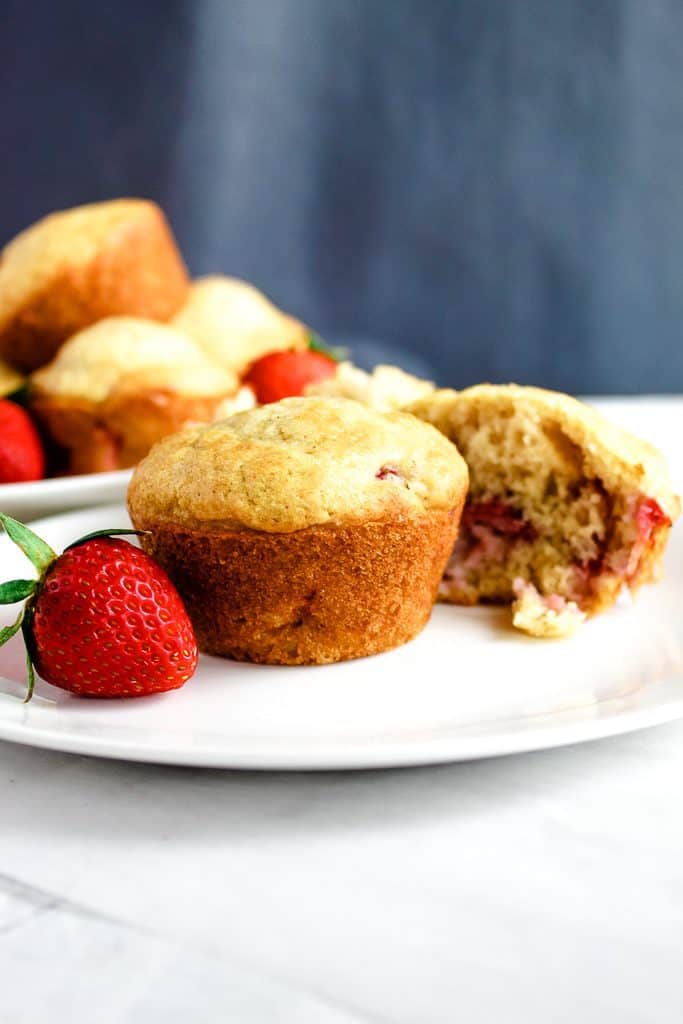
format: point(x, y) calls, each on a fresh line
point(46, 497)
point(468, 687)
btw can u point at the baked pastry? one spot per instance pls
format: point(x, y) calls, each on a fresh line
point(564, 509)
point(116, 388)
point(236, 324)
point(309, 530)
point(386, 388)
point(77, 266)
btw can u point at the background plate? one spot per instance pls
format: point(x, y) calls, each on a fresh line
point(468, 687)
point(46, 497)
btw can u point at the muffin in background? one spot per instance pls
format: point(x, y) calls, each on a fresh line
point(77, 266)
point(306, 531)
point(235, 324)
point(116, 388)
point(385, 388)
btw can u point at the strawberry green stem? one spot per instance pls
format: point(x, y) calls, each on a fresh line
point(104, 533)
point(336, 353)
point(35, 549)
point(7, 632)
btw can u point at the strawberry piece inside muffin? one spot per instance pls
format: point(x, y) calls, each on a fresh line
point(564, 509)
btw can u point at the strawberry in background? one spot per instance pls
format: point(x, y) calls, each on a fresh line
point(22, 457)
point(285, 374)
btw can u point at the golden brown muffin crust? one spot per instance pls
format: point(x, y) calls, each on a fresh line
point(322, 594)
point(127, 354)
point(119, 432)
point(117, 387)
point(78, 266)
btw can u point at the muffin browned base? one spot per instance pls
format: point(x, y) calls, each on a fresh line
point(90, 437)
point(321, 594)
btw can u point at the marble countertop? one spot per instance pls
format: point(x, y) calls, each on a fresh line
point(534, 888)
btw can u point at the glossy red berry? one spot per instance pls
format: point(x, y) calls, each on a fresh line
point(22, 457)
point(285, 374)
point(108, 622)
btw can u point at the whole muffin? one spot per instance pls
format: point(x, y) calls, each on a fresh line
point(77, 266)
point(235, 324)
point(116, 388)
point(306, 531)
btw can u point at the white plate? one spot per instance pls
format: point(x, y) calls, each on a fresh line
point(46, 497)
point(468, 687)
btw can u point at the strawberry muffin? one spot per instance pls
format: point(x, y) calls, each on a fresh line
point(78, 266)
point(306, 531)
point(564, 509)
point(385, 388)
point(119, 386)
point(235, 324)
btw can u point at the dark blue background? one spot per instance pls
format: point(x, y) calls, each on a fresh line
point(495, 186)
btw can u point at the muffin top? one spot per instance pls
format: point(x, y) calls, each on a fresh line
point(235, 324)
point(551, 428)
point(297, 463)
point(72, 237)
point(127, 353)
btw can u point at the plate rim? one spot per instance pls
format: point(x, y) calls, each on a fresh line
point(393, 753)
point(56, 484)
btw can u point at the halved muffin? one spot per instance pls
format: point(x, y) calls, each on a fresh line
point(564, 508)
point(309, 530)
point(116, 388)
point(235, 324)
point(78, 266)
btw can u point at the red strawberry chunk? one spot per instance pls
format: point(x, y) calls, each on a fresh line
point(390, 473)
point(649, 516)
point(499, 517)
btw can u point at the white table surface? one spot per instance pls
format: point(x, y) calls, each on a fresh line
point(539, 888)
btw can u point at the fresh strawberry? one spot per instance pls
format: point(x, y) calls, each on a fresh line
point(102, 620)
point(21, 452)
point(285, 374)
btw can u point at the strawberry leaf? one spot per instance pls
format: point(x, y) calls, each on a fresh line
point(7, 632)
point(16, 590)
point(35, 549)
point(103, 533)
point(316, 344)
